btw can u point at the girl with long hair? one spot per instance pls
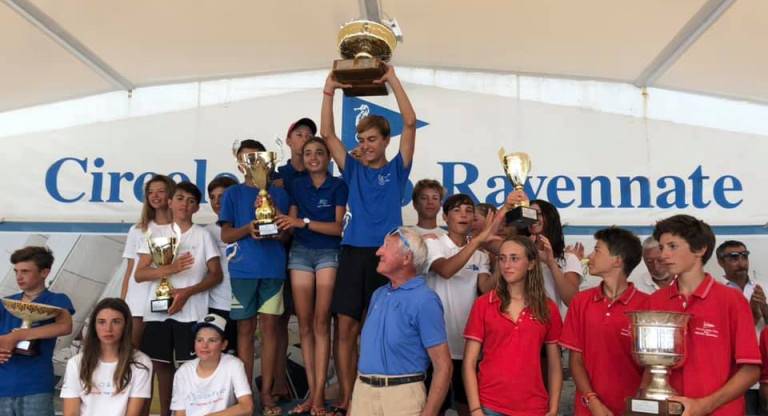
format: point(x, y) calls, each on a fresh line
point(509, 326)
point(316, 216)
point(155, 215)
point(562, 270)
point(109, 376)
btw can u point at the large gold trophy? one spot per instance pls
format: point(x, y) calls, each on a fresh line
point(29, 313)
point(516, 167)
point(163, 251)
point(259, 167)
point(365, 47)
point(658, 342)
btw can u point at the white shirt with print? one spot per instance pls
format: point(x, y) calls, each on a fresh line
point(458, 293)
point(220, 296)
point(219, 391)
point(198, 242)
point(102, 399)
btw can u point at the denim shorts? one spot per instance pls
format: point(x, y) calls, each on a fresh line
point(312, 259)
point(40, 404)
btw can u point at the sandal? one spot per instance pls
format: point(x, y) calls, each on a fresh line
point(301, 409)
point(271, 411)
point(337, 411)
point(320, 411)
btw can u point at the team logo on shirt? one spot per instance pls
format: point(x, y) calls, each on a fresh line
point(384, 179)
point(707, 329)
point(473, 267)
point(323, 203)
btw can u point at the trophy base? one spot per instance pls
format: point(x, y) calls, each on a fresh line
point(360, 73)
point(267, 230)
point(27, 348)
point(521, 216)
point(645, 407)
point(160, 305)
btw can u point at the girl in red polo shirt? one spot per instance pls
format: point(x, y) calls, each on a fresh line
point(509, 325)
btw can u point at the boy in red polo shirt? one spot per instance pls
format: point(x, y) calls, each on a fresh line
point(597, 329)
point(722, 359)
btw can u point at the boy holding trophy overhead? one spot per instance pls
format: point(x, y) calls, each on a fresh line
point(376, 187)
point(722, 358)
point(257, 268)
point(168, 338)
point(26, 374)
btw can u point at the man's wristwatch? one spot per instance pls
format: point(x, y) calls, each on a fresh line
point(306, 222)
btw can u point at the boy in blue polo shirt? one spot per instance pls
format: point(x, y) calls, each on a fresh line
point(26, 382)
point(376, 187)
point(257, 273)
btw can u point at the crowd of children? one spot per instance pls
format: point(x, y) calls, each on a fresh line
point(510, 297)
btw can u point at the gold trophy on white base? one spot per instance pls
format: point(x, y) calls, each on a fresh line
point(516, 167)
point(658, 342)
point(29, 313)
point(163, 251)
point(259, 167)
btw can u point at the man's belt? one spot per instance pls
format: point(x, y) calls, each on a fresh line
point(377, 381)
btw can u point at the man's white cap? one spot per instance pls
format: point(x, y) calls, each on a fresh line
point(213, 321)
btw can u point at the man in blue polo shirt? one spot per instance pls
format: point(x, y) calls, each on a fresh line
point(404, 331)
point(26, 382)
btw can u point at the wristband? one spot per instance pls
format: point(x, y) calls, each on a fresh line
point(588, 397)
point(329, 94)
point(475, 409)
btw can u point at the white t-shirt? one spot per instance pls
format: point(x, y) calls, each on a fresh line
point(137, 293)
point(201, 396)
point(198, 242)
point(458, 293)
point(102, 399)
point(220, 296)
point(422, 231)
point(570, 263)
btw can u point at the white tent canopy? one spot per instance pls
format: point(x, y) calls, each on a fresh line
point(55, 50)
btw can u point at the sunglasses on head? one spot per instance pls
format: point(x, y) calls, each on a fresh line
point(398, 233)
point(733, 256)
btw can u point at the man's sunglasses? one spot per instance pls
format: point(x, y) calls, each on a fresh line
point(734, 256)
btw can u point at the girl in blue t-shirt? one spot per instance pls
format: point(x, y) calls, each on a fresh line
point(317, 208)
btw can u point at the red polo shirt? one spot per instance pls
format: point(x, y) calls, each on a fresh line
point(509, 378)
point(764, 355)
point(601, 331)
point(720, 337)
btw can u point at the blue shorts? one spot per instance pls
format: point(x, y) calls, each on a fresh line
point(254, 296)
point(312, 259)
point(40, 404)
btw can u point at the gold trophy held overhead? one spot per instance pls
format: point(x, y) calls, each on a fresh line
point(365, 47)
point(163, 251)
point(258, 168)
point(516, 167)
point(29, 313)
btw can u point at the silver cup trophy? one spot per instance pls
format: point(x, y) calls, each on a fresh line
point(658, 343)
point(163, 251)
point(516, 167)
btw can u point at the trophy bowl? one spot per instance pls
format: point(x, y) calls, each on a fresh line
point(30, 312)
point(366, 39)
point(259, 167)
point(658, 343)
point(365, 46)
point(163, 251)
point(516, 166)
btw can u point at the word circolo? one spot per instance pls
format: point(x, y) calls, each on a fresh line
point(696, 190)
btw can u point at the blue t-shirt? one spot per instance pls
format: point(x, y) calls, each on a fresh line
point(318, 204)
point(374, 200)
point(402, 324)
point(22, 375)
point(253, 259)
point(288, 174)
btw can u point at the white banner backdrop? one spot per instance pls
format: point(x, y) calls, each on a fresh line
point(598, 168)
